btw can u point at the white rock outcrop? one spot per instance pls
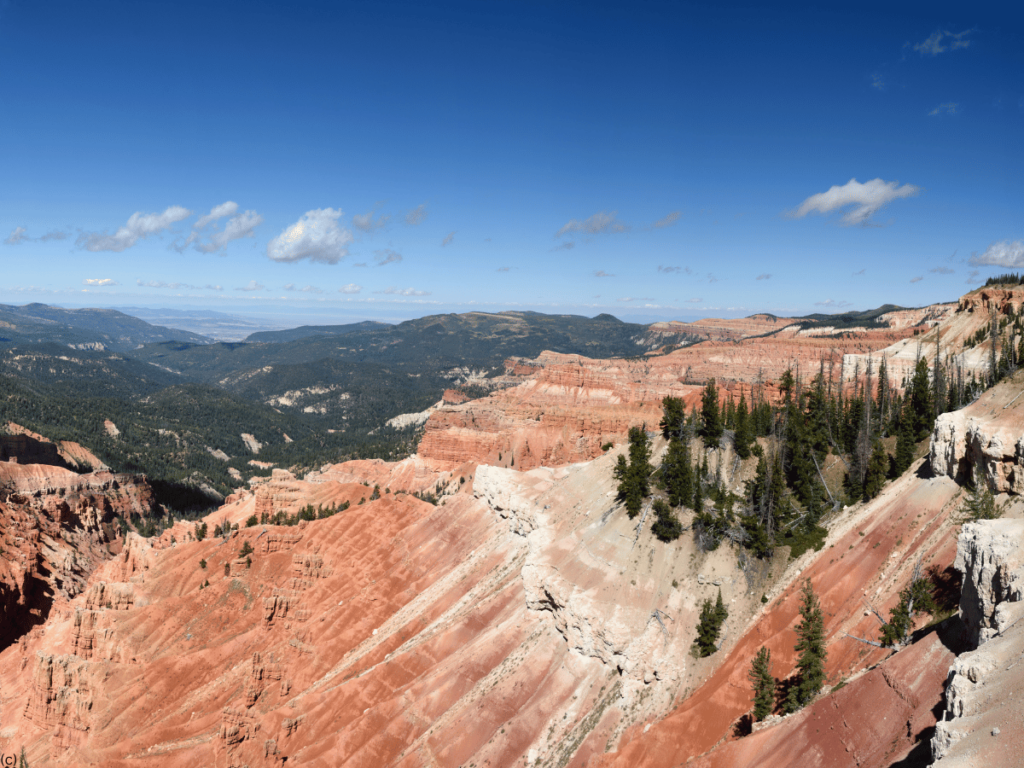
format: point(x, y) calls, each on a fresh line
point(961, 441)
point(983, 723)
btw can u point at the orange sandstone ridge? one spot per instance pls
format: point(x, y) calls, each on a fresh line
point(523, 620)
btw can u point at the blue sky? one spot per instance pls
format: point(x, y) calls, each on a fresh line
point(389, 160)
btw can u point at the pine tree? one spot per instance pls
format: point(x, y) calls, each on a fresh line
point(904, 444)
point(921, 407)
point(673, 417)
point(743, 436)
point(980, 504)
point(760, 676)
point(878, 466)
point(677, 473)
point(811, 646)
point(711, 415)
point(698, 497)
point(914, 599)
point(712, 616)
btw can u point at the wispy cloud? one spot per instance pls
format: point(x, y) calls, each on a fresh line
point(20, 235)
point(365, 222)
point(917, 279)
point(221, 211)
point(350, 288)
point(417, 215)
point(877, 81)
point(386, 256)
point(941, 41)
point(712, 278)
point(602, 273)
point(306, 289)
point(973, 276)
point(316, 236)
point(764, 276)
point(100, 281)
point(635, 298)
point(669, 270)
point(831, 303)
point(864, 200)
point(448, 239)
point(236, 228)
point(668, 221)
point(1005, 253)
point(861, 272)
point(948, 108)
point(403, 292)
point(694, 301)
point(138, 227)
point(252, 286)
point(599, 223)
point(568, 245)
point(941, 270)
point(176, 286)
point(503, 269)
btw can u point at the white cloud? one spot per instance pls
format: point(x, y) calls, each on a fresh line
point(217, 212)
point(1002, 254)
point(942, 41)
point(599, 223)
point(403, 292)
point(252, 286)
point(602, 273)
point(948, 108)
point(877, 82)
point(350, 288)
point(669, 270)
point(417, 215)
point(365, 222)
point(138, 227)
point(19, 235)
point(447, 239)
point(176, 286)
point(866, 199)
point(99, 281)
point(941, 270)
point(831, 303)
point(764, 276)
point(306, 289)
point(917, 279)
point(694, 301)
point(566, 246)
point(316, 236)
point(387, 256)
point(236, 228)
point(635, 298)
point(503, 269)
point(668, 221)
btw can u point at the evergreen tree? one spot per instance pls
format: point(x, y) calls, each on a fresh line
point(677, 473)
point(743, 436)
point(811, 646)
point(712, 616)
point(698, 497)
point(760, 676)
point(666, 526)
point(673, 417)
point(904, 444)
point(980, 504)
point(921, 408)
point(711, 415)
point(634, 477)
point(913, 600)
point(877, 469)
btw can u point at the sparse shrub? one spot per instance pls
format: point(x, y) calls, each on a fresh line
point(251, 521)
point(245, 550)
point(202, 563)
